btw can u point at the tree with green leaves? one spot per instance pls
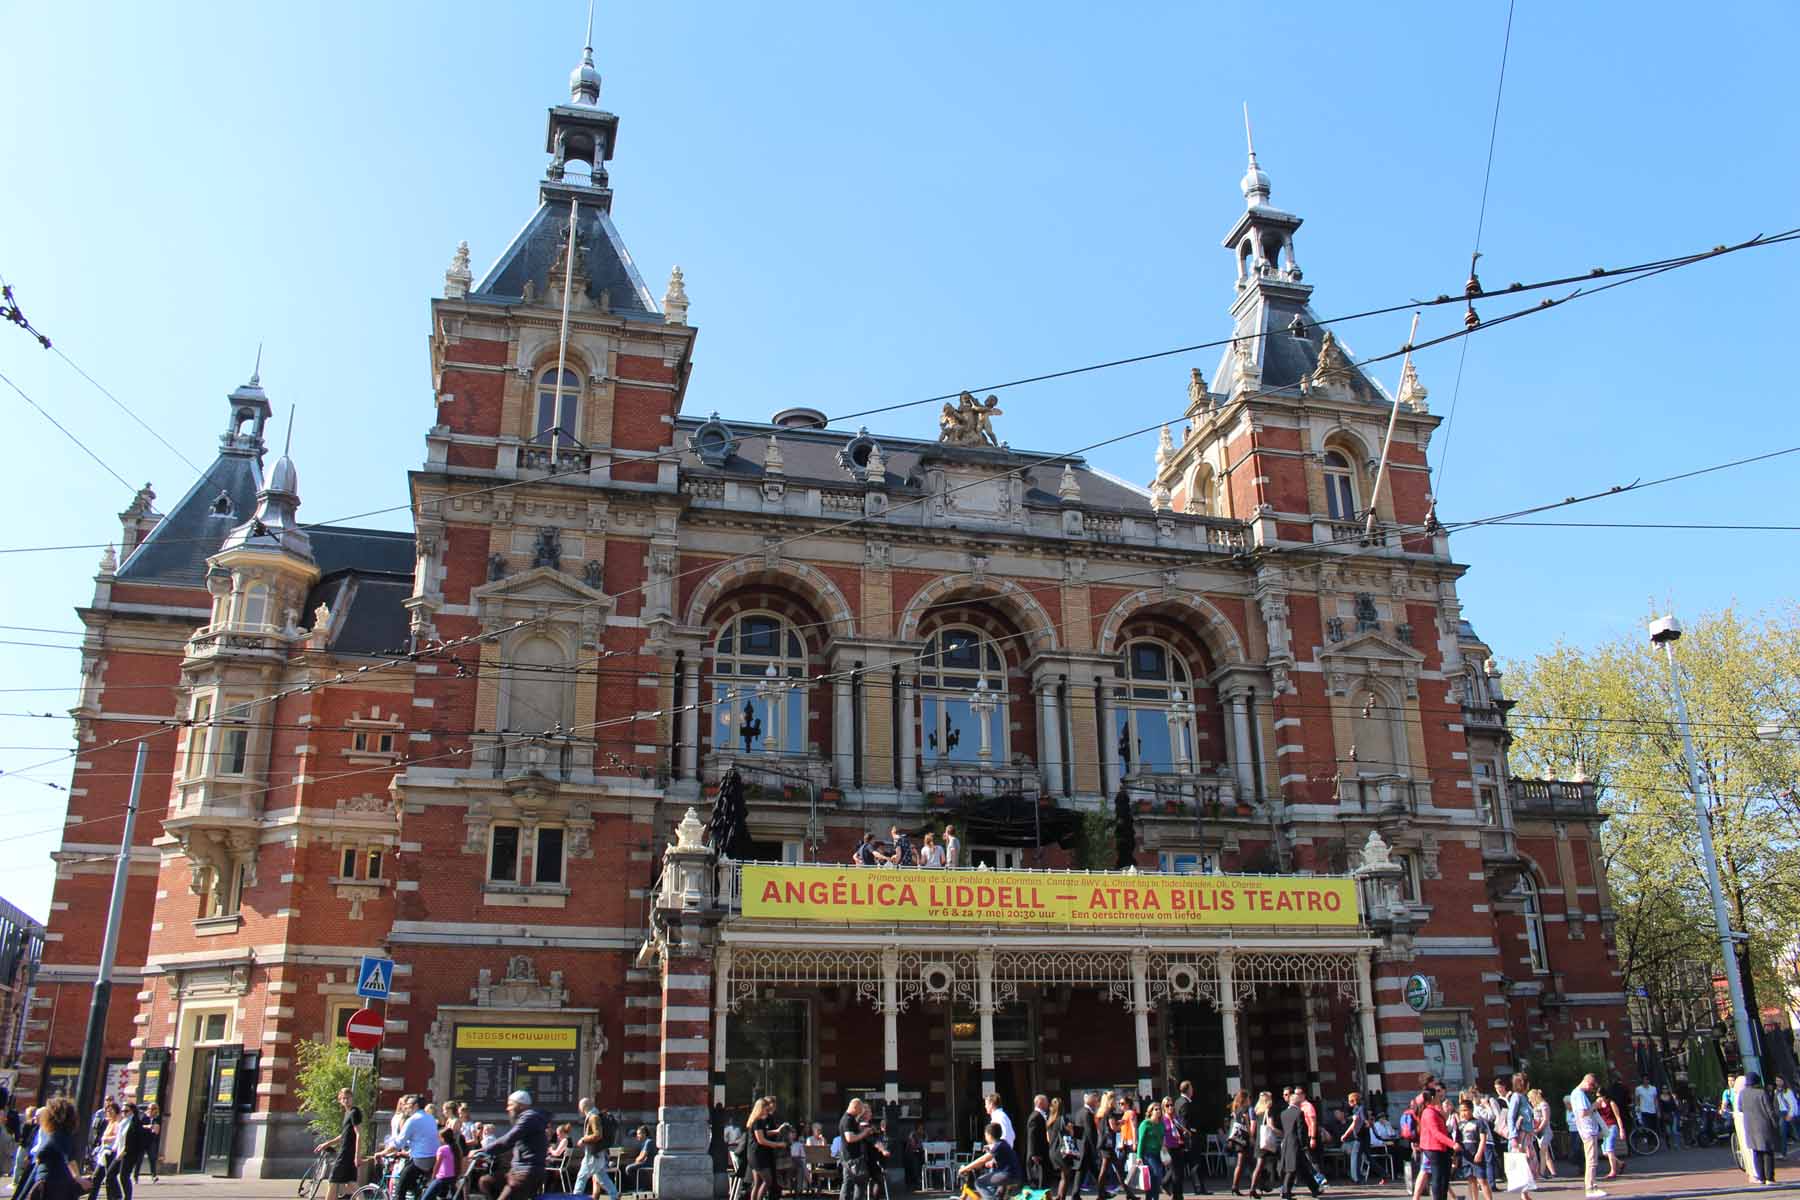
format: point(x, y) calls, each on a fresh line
point(1607, 713)
point(323, 1070)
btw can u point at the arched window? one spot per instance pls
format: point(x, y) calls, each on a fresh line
point(1154, 723)
point(255, 610)
point(962, 696)
point(1340, 487)
point(1200, 490)
point(1375, 735)
point(552, 420)
point(759, 689)
point(1533, 912)
point(537, 684)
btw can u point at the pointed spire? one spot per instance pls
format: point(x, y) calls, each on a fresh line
point(1256, 181)
point(584, 80)
point(1412, 393)
point(1070, 487)
point(458, 279)
point(675, 299)
point(256, 371)
point(109, 562)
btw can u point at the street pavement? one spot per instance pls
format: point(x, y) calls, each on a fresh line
point(1692, 1173)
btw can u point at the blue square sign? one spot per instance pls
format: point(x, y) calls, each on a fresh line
point(375, 977)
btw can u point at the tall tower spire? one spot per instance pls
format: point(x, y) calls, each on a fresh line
point(581, 132)
point(584, 80)
point(1256, 181)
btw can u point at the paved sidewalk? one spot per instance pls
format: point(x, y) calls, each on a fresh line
point(1692, 1173)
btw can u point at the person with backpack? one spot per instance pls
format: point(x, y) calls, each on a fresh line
point(1355, 1138)
point(1418, 1167)
point(599, 1132)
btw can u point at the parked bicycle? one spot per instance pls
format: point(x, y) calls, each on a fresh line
point(317, 1175)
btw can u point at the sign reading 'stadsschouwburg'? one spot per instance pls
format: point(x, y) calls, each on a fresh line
point(882, 894)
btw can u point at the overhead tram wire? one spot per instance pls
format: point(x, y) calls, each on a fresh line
point(85, 448)
point(1624, 274)
point(1473, 287)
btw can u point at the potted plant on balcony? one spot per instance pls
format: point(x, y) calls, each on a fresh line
point(1173, 806)
point(832, 795)
point(1142, 805)
point(937, 800)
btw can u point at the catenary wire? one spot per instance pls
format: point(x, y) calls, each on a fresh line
point(85, 448)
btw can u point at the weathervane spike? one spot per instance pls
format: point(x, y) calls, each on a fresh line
point(289, 443)
point(589, 43)
point(1248, 140)
point(256, 372)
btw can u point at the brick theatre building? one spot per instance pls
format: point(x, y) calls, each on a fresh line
point(472, 746)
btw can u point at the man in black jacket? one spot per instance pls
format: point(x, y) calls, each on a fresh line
point(1037, 1142)
point(1088, 1125)
point(1192, 1149)
point(529, 1142)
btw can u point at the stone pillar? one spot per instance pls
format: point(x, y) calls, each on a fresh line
point(690, 717)
point(687, 918)
point(1312, 1043)
point(1365, 1011)
point(1140, 1016)
point(984, 1008)
point(909, 752)
point(721, 1011)
point(843, 733)
point(1109, 744)
point(1050, 737)
point(1228, 1014)
point(1243, 749)
point(890, 1035)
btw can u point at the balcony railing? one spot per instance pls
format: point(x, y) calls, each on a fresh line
point(1553, 797)
point(1182, 791)
point(958, 780)
point(567, 459)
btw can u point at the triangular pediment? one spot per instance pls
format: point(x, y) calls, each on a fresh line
point(1370, 655)
point(540, 583)
point(541, 594)
point(1372, 645)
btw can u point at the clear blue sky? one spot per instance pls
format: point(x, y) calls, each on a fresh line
point(875, 203)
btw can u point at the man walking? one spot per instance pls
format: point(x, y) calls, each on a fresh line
point(998, 1116)
point(1585, 1119)
point(853, 1132)
point(1089, 1127)
point(1309, 1148)
point(1190, 1151)
point(1037, 1142)
point(597, 1132)
point(1647, 1106)
point(529, 1141)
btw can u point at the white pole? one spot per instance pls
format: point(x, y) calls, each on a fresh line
point(1721, 918)
point(1388, 441)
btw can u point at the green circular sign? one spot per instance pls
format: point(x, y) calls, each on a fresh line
point(1418, 993)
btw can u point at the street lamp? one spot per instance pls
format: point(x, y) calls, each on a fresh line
point(983, 703)
point(1665, 632)
point(1181, 711)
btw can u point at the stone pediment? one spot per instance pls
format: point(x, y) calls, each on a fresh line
point(541, 592)
point(1368, 656)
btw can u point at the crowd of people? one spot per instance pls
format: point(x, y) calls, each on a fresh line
point(437, 1152)
point(122, 1139)
point(900, 850)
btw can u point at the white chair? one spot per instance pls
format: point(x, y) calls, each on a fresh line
point(940, 1163)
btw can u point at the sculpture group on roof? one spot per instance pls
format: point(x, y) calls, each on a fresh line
point(969, 422)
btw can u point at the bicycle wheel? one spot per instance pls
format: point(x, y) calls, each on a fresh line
point(368, 1191)
point(1644, 1140)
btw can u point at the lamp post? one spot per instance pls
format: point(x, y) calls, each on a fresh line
point(1665, 632)
point(1181, 711)
point(983, 703)
point(772, 696)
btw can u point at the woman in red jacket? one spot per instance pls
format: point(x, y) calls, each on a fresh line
point(1435, 1140)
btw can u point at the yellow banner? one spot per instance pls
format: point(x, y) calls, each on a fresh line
point(517, 1037)
point(884, 894)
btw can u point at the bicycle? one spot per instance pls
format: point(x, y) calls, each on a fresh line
point(1644, 1141)
point(320, 1172)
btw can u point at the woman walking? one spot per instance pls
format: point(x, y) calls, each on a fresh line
point(1150, 1147)
point(347, 1144)
point(1056, 1132)
point(1106, 1129)
point(1267, 1139)
point(764, 1146)
point(1127, 1147)
point(1546, 1136)
point(1762, 1139)
point(1238, 1141)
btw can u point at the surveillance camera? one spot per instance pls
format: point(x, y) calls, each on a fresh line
point(1664, 630)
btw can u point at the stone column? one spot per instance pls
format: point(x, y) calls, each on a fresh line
point(984, 1008)
point(1312, 1043)
point(909, 756)
point(1050, 737)
point(1109, 744)
point(721, 1011)
point(1243, 749)
point(1365, 1011)
point(843, 733)
point(690, 717)
point(1140, 1016)
point(1228, 1014)
point(890, 1034)
point(684, 1168)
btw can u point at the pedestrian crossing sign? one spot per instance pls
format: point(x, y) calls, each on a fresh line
point(375, 977)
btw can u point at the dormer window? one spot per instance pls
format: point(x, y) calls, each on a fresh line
point(554, 420)
point(1340, 487)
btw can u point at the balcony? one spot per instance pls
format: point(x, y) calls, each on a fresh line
point(798, 778)
point(567, 459)
point(1212, 791)
point(957, 781)
point(1554, 798)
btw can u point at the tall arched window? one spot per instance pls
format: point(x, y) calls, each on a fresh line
point(552, 420)
point(759, 692)
point(537, 684)
point(1533, 912)
point(1154, 723)
point(1340, 486)
point(962, 676)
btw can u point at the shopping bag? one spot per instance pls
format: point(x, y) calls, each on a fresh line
point(1518, 1171)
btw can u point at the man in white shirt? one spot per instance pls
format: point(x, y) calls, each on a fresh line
point(1649, 1109)
point(998, 1116)
point(1586, 1121)
point(952, 848)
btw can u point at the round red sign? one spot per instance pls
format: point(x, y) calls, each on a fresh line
point(364, 1030)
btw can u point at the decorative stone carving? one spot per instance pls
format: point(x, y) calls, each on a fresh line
point(1165, 450)
point(1375, 851)
point(548, 551)
point(1198, 399)
point(519, 988)
point(969, 422)
point(591, 574)
point(876, 472)
point(1069, 488)
point(713, 442)
point(458, 278)
point(675, 299)
point(109, 562)
point(773, 461)
point(1245, 374)
point(1412, 393)
point(496, 567)
point(1333, 371)
point(1160, 498)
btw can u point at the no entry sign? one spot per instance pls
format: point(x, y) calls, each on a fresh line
point(364, 1030)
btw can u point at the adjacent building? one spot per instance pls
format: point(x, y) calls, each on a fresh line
point(470, 747)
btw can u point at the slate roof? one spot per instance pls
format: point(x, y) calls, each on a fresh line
point(368, 574)
point(608, 263)
point(176, 551)
point(1285, 358)
point(811, 454)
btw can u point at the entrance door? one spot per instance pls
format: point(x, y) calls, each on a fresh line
point(199, 1095)
point(1013, 1080)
